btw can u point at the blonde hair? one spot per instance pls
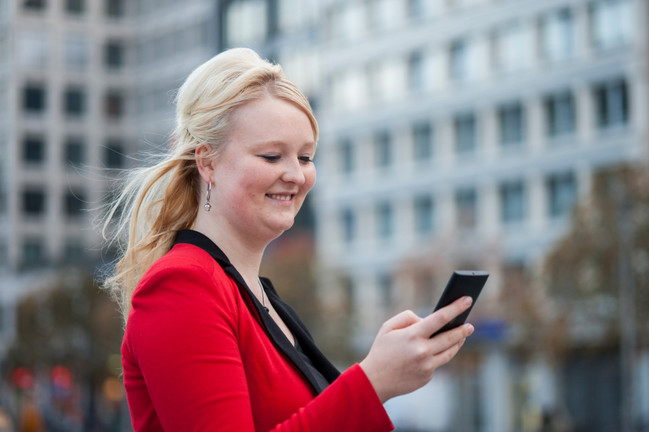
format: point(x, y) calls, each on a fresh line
point(160, 200)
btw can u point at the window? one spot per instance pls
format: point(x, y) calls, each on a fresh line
point(560, 114)
point(557, 35)
point(512, 124)
point(382, 150)
point(422, 137)
point(424, 214)
point(458, 61)
point(74, 6)
point(33, 149)
point(33, 252)
point(347, 159)
point(74, 152)
point(114, 8)
point(466, 207)
point(384, 220)
point(512, 202)
point(113, 55)
point(513, 46)
point(74, 102)
point(74, 203)
point(416, 75)
point(34, 98)
point(465, 134)
point(385, 290)
point(245, 22)
point(611, 102)
point(561, 192)
point(74, 251)
point(348, 222)
point(34, 4)
point(76, 51)
point(611, 23)
point(33, 49)
point(114, 105)
point(114, 154)
point(33, 202)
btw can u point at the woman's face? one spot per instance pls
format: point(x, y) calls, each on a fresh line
point(265, 170)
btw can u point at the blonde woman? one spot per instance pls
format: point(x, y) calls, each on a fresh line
point(209, 345)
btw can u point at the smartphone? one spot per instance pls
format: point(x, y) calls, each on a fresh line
point(462, 283)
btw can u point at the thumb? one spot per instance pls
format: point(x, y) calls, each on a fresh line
point(401, 320)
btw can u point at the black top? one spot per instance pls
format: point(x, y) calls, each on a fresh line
point(305, 356)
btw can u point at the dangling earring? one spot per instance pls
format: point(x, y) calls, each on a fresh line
point(207, 206)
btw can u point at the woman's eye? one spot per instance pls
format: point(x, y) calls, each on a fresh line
point(270, 158)
point(305, 159)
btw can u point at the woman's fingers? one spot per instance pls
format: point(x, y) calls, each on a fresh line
point(438, 319)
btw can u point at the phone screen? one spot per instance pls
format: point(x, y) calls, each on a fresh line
point(462, 283)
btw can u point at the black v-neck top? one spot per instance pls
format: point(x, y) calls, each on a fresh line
point(306, 357)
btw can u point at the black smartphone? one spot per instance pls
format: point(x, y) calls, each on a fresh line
point(462, 283)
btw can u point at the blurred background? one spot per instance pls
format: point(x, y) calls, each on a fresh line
point(502, 135)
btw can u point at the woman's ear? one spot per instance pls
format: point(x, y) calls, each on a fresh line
point(204, 162)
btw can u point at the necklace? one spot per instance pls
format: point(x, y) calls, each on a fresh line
point(263, 295)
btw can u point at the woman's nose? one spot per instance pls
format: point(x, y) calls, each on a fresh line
point(293, 172)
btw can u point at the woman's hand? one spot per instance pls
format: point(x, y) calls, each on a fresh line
point(404, 357)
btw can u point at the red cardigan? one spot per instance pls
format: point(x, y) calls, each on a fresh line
point(197, 356)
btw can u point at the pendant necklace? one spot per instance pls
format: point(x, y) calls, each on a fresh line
point(263, 295)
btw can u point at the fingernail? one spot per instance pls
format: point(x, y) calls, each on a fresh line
point(470, 329)
point(468, 300)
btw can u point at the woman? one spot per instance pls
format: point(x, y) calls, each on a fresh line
point(208, 344)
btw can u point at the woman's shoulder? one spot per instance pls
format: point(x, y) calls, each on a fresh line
point(183, 266)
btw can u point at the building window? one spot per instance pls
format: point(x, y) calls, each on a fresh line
point(113, 105)
point(76, 51)
point(557, 35)
point(114, 154)
point(114, 8)
point(384, 222)
point(611, 102)
point(416, 75)
point(33, 149)
point(34, 98)
point(114, 55)
point(74, 102)
point(74, 251)
point(33, 202)
point(465, 134)
point(74, 203)
point(458, 61)
point(560, 114)
point(611, 23)
point(512, 124)
point(422, 137)
point(512, 202)
point(347, 159)
point(75, 6)
point(74, 152)
point(385, 290)
point(34, 4)
point(348, 222)
point(33, 48)
point(33, 252)
point(245, 22)
point(424, 214)
point(562, 193)
point(513, 47)
point(466, 205)
point(382, 150)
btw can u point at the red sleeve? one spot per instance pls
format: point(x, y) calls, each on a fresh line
point(183, 339)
